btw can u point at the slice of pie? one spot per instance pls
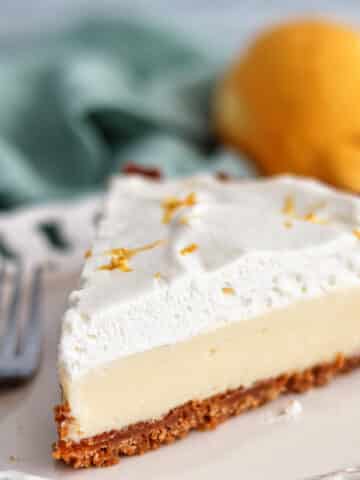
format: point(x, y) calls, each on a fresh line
point(201, 299)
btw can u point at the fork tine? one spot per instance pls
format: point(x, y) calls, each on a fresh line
point(32, 332)
point(9, 339)
point(2, 276)
point(2, 281)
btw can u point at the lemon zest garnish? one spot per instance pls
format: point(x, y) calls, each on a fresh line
point(184, 220)
point(88, 253)
point(228, 291)
point(289, 206)
point(172, 204)
point(157, 275)
point(288, 224)
point(120, 257)
point(189, 249)
point(313, 218)
point(356, 232)
point(290, 210)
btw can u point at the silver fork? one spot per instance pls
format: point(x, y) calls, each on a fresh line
point(20, 354)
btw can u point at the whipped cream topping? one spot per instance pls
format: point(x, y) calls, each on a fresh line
point(251, 246)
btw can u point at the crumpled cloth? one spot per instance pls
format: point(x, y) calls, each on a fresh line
point(77, 105)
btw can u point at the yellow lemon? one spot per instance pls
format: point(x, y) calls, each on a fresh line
point(292, 101)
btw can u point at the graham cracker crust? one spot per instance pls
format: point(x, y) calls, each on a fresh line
point(105, 449)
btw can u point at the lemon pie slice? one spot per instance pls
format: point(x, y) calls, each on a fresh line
point(201, 299)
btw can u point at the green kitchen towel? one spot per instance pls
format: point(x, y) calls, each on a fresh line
point(75, 106)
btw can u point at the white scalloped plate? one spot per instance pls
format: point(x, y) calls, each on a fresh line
point(325, 437)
